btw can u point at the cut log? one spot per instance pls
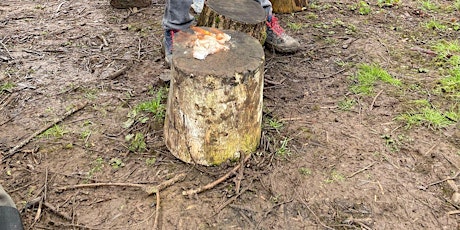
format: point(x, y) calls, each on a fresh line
point(214, 108)
point(289, 6)
point(241, 15)
point(126, 4)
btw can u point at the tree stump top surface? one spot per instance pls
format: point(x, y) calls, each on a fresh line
point(247, 11)
point(244, 54)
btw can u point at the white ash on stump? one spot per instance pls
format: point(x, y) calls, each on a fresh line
point(241, 15)
point(214, 109)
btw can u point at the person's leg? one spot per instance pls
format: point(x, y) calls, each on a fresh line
point(267, 5)
point(276, 37)
point(176, 17)
point(9, 215)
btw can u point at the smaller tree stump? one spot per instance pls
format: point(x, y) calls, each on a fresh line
point(214, 109)
point(241, 15)
point(288, 6)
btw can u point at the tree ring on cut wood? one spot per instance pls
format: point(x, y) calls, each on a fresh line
point(214, 109)
point(241, 15)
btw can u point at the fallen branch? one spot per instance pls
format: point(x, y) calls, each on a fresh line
point(422, 50)
point(12, 151)
point(148, 189)
point(157, 212)
point(446, 179)
point(314, 214)
point(49, 206)
point(453, 212)
point(361, 170)
point(375, 98)
point(118, 73)
point(218, 181)
point(229, 201)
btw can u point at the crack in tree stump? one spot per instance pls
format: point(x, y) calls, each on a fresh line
point(214, 108)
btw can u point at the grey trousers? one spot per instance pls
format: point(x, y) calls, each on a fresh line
point(177, 17)
point(9, 215)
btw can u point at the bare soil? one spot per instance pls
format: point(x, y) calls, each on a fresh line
point(338, 169)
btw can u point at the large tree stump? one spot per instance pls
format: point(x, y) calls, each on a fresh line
point(241, 15)
point(289, 6)
point(214, 109)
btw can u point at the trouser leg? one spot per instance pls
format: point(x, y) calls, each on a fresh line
point(176, 15)
point(267, 5)
point(9, 215)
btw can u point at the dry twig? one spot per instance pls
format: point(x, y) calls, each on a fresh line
point(314, 214)
point(218, 181)
point(361, 170)
point(157, 212)
point(375, 98)
point(118, 73)
point(446, 179)
point(13, 150)
point(148, 189)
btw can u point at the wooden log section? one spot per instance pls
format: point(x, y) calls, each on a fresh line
point(289, 6)
point(214, 109)
point(241, 15)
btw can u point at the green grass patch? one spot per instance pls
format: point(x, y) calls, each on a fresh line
point(96, 166)
point(283, 150)
point(294, 26)
point(429, 5)
point(346, 104)
point(434, 24)
point(6, 87)
point(136, 142)
point(429, 117)
point(387, 3)
point(56, 131)
point(154, 108)
point(304, 171)
point(368, 75)
point(451, 83)
point(445, 49)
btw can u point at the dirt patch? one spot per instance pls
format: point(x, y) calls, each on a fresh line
point(323, 163)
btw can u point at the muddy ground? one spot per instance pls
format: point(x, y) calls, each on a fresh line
point(323, 165)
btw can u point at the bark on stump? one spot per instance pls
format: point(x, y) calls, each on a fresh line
point(214, 109)
point(241, 15)
point(289, 6)
point(125, 4)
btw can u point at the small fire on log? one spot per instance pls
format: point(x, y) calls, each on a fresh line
point(208, 42)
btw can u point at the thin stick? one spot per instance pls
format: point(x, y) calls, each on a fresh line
point(12, 151)
point(157, 212)
point(317, 218)
point(94, 185)
point(154, 189)
point(375, 98)
point(54, 209)
point(118, 73)
point(218, 181)
point(49, 206)
point(453, 212)
point(229, 201)
point(7, 51)
point(446, 179)
point(59, 7)
point(361, 170)
point(148, 189)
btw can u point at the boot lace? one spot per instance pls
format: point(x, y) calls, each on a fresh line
point(274, 25)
